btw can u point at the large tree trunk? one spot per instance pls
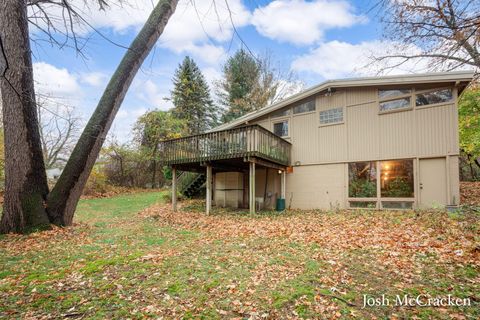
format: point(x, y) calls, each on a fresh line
point(64, 197)
point(26, 186)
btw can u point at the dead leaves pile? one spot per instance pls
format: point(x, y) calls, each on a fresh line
point(396, 233)
point(470, 193)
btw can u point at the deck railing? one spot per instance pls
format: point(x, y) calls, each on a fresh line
point(251, 140)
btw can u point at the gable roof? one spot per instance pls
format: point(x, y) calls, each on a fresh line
point(458, 76)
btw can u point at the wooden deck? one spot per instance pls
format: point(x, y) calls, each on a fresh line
point(251, 141)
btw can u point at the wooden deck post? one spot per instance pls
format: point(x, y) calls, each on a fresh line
point(252, 188)
point(209, 189)
point(174, 189)
point(284, 184)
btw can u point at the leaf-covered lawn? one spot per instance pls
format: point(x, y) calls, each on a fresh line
point(130, 256)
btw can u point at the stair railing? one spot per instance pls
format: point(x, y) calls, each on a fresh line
point(185, 179)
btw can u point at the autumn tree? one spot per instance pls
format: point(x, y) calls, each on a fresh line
point(153, 127)
point(469, 126)
point(28, 203)
point(443, 33)
point(191, 98)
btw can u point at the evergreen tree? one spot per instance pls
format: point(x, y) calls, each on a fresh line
point(241, 75)
point(191, 98)
point(251, 83)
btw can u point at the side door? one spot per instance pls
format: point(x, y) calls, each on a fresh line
point(433, 183)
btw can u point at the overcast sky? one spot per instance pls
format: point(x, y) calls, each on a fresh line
point(318, 39)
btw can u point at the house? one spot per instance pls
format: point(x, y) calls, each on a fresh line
point(379, 142)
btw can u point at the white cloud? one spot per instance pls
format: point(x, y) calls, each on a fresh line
point(149, 92)
point(196, 29)
point(55, 81)
point(211, 75)
point(208, 53)
point(336, 59)
point(119, 15)
point(95, 79)
point(303, 22)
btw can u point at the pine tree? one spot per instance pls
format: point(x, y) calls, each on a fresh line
point(191, 98)
point(241, 75)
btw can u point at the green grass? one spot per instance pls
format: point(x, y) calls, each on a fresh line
point(115, 263)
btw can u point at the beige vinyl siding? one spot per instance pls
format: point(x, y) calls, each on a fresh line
point(335, 100)
point(454, 181)
point(397, 134)
point(332, 144)
point(264, 123)
point(437, 132)
point(303, 128)
point(357, 96)
point(317, 186)
point(365, 134)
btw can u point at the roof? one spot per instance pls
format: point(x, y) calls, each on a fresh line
point(438, 77)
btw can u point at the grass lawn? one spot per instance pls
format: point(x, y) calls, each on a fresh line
point(130, 256)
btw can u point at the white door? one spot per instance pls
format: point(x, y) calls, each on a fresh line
point(433, 183)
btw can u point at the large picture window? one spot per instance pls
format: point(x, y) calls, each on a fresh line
point(385, 184)
point(362, 180)
point(396, 179)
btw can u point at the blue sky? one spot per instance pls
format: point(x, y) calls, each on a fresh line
point(316, 39)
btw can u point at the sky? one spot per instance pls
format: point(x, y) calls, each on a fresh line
point(317, 40)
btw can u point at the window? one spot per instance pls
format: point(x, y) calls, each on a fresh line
point(392, 93)
point(363, 204)
point(437, 96)
point(394, 99)
point(362, 180)
point(397, 204)
point(397, 104)
point(304, 107)
point(281, 113)
point(281, 129)
point(396, 179)
point(392, 178)
point(331, 116)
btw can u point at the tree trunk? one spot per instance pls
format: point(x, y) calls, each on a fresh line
point(154, 173)
point(26, 186)
point(154, 165)
point(477, 162)
point(64, 197)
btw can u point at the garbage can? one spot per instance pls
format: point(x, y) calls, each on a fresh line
point(280, 204)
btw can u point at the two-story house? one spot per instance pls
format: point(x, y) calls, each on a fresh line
point(381, 142)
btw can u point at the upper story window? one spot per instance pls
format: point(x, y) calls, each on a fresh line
point(331, 116)
point(281, 128)
point(394, 99)
point(432, 97)
point(281, 113)
point(304, 107)
point(392, 93)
